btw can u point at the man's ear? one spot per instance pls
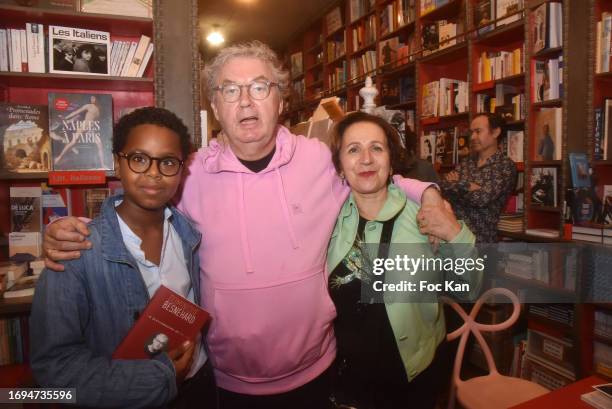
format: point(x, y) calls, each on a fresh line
point(213, 105)
point(496, 133)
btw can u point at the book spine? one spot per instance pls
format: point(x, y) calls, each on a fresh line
point(23, 44)
point(597, 135)
point(3, 51)
point(36, 48)
point(138, 57)
point(128, 59)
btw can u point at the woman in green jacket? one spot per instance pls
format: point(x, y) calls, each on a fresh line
point(391, 353)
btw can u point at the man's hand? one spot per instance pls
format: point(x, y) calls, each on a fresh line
point(182, 358)
point(63, 240)
point(438, 221)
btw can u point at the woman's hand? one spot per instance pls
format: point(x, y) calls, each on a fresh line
point(438, 221)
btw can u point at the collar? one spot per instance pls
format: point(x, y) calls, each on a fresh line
point(396, 200)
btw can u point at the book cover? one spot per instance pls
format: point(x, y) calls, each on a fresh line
point(547, 130)
point(390, 92)
point(428, 145)
point(56, 203)
point(81, 128)
point(93, 201)
point(540, 28)
point(579, 165)
point(388, 53)
point(407, 91)
point(515, 145)
point(544, 186)
point(24, 137)
point(430, 38)
point(483, 14)
point(134, 8)
point(24, 246)
point(296, 64)
point(430, 99)
point(166, 322)
point(45, 4)
point(506, 7)
point(26, 215)
point(78, 51)
point(333, 20)
point(445, 142)
point(606, 216)
point(607, 130)
point(462, 145)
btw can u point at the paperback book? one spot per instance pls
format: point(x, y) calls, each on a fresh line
point(26, 215)
point(544, 186)
point(24, 136)
point(548, 128)
point(81, 128)
point(78, 51)
point(167, 321)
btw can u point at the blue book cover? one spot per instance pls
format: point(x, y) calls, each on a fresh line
point(579, 164)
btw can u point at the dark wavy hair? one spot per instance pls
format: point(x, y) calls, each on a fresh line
point(495, 121)
point(151, 116)
point(397, 152)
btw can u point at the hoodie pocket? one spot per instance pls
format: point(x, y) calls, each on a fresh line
point(274, 330)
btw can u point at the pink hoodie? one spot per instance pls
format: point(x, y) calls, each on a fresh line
point(262, 259)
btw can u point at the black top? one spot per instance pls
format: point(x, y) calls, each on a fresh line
point(259, 164)
point(368, 360)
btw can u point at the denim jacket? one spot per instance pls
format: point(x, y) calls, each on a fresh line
point(80, 316)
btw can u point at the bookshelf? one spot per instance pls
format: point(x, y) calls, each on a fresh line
point(127, 92)
point(460, 61)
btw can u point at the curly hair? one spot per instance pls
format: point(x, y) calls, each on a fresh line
point(150, 116)
point(253, 49)
point(495, 121)
point(397, 152)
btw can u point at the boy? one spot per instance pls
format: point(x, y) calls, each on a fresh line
point(80, 316)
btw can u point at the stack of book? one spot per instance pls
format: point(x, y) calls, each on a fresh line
point(511, 223)
point(500, 64)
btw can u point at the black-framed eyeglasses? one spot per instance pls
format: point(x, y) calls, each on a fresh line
point(139, 162)
point(257, 90)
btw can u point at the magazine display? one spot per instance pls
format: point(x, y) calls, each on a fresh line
point(24, 138)
point(166, 322)
point(81, 129)
point(78, 51)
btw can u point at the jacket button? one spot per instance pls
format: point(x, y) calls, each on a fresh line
point(372, 227)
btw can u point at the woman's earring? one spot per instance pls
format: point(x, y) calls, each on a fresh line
point(343, 179)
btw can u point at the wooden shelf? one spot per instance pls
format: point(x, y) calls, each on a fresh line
point(314, 48)
point(398, 70)
point(604, 76)
point(514, 80)
point(603, 340)
point(15, 306)
point(362, 18)
point(501, 35)
point(336, 60)
point(547, 53)
point(446, 11)
point(69, 81)
point(397, 31)
point(403, 105)
point(512, 124)
point(540, 163)
point(115, 24)
point(602, 162)
point(336, 31)
point(564, 328)
point(4, 175)
point(446, 55)
point(314, 84)
point(364, 48)
point(548, 104)
point(549, 209)
point(316, 66)
point(530, 237)
point(445, 118)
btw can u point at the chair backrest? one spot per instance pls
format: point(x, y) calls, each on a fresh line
point(470, 325)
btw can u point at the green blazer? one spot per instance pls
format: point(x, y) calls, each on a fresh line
point(418, 327)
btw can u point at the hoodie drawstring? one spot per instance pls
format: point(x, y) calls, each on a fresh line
point(283, 199)
point(246, 249)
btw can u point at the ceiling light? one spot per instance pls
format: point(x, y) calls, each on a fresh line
point(215, 38)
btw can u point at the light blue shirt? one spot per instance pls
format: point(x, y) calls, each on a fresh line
point(171, 272)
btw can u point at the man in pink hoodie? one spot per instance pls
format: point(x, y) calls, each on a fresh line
point(266, 202)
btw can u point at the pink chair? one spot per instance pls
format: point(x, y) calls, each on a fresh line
point(493, 391)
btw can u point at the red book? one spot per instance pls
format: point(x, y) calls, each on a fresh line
point(168, 320)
